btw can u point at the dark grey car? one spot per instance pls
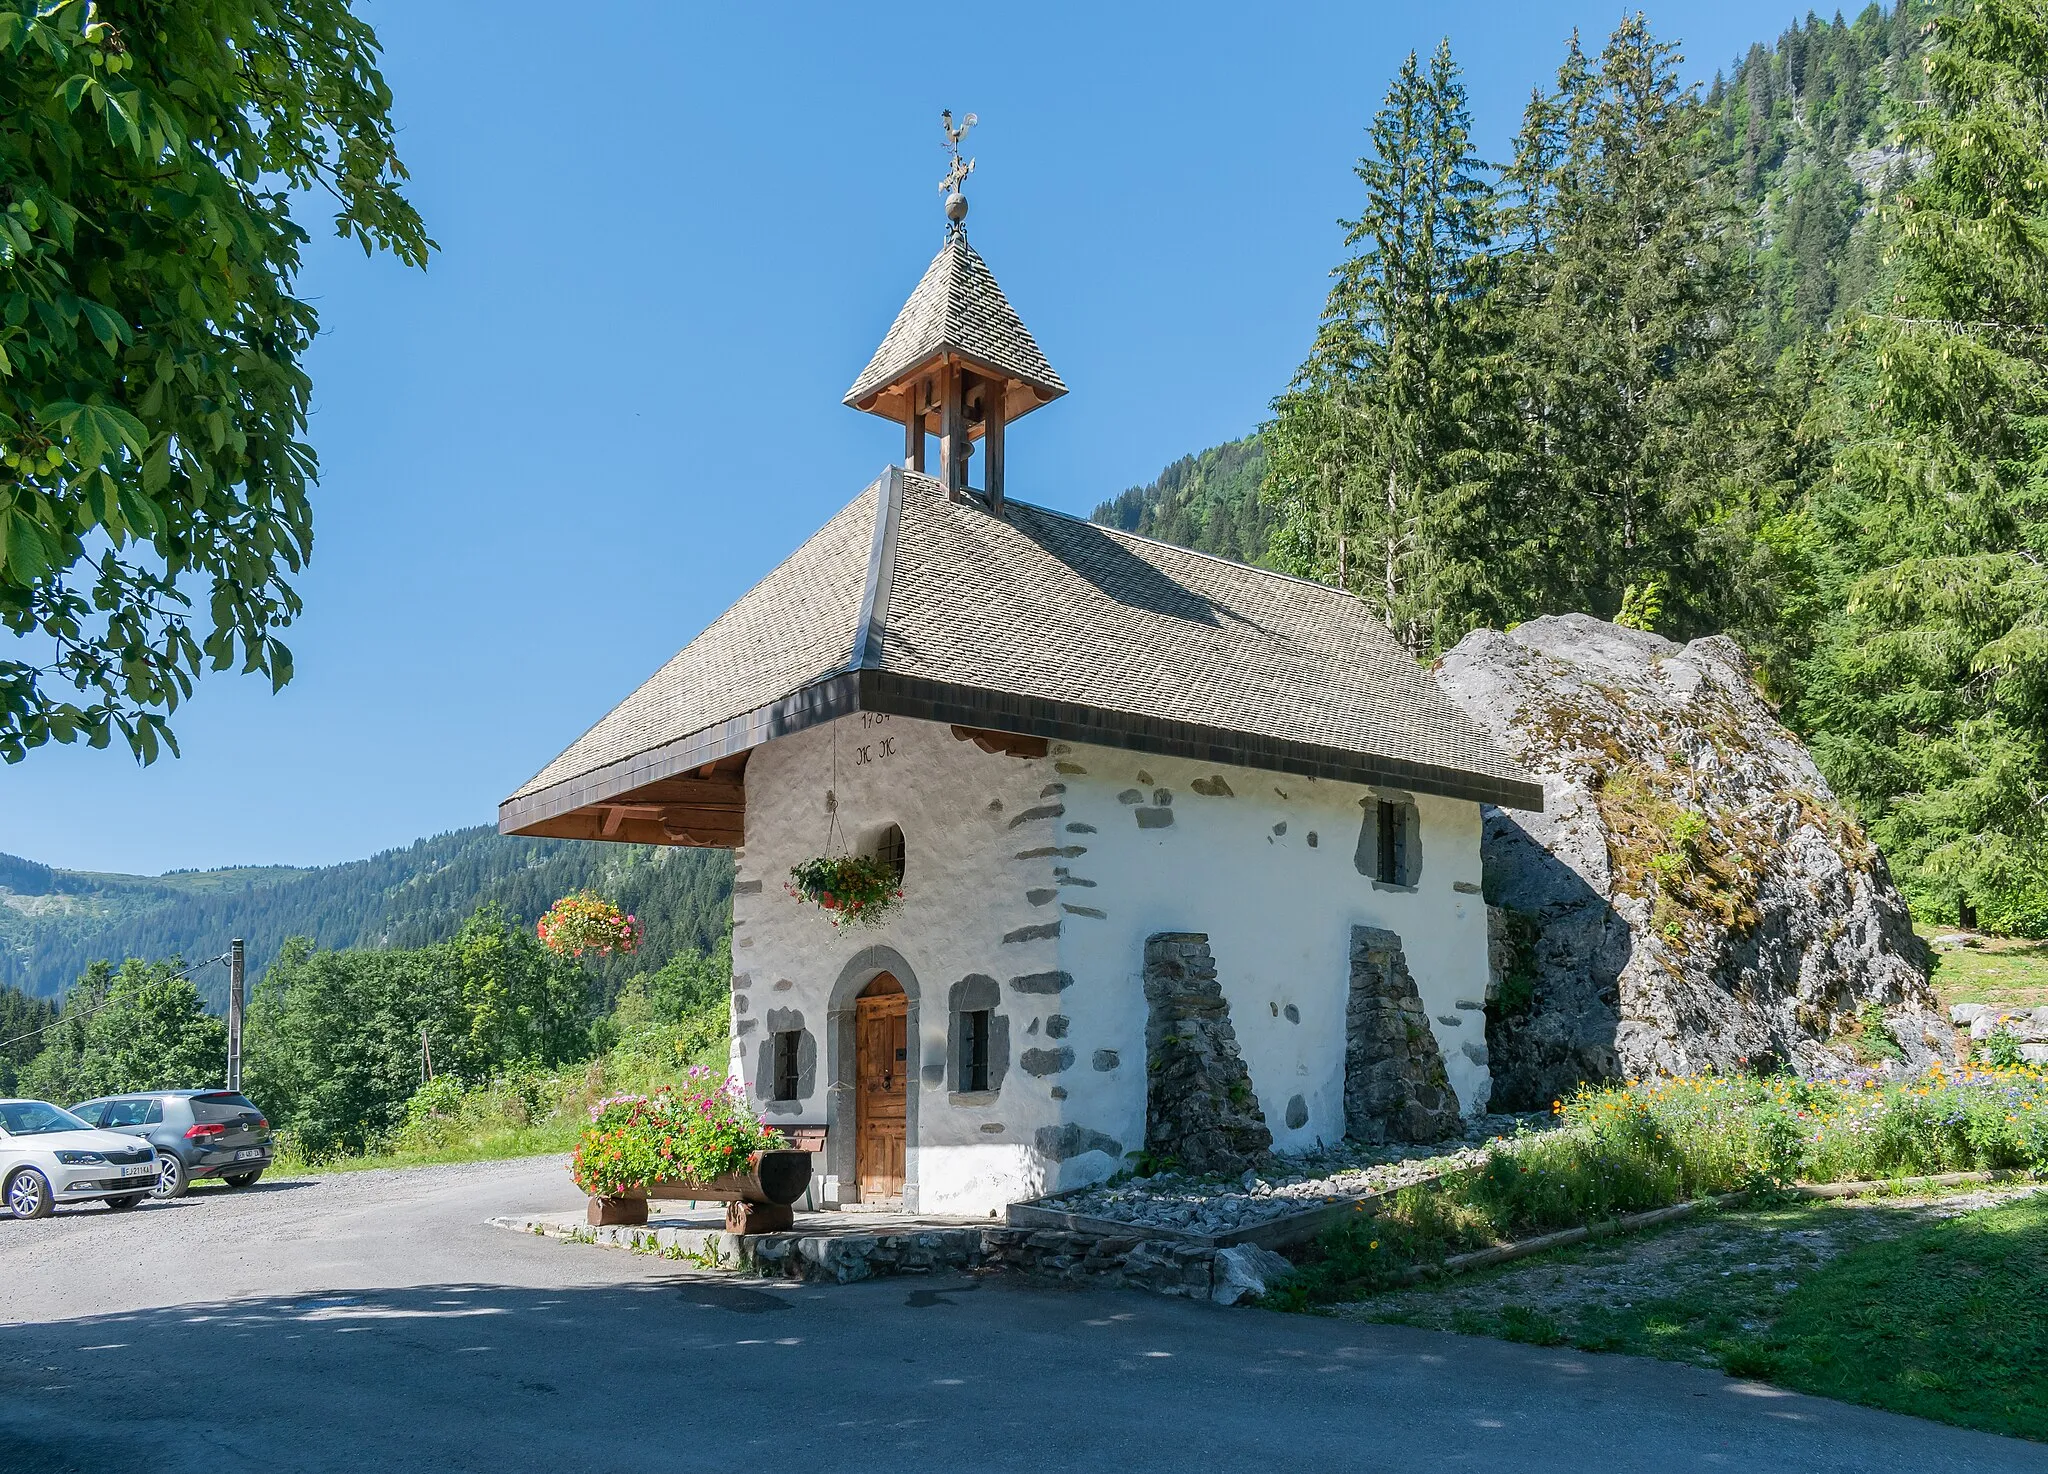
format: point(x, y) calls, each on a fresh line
point(196, 1133)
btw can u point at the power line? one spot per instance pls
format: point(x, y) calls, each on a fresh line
point(110, 998)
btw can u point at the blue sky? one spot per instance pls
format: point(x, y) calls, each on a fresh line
point(671, 235)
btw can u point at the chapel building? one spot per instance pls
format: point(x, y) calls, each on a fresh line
point(1189, 850)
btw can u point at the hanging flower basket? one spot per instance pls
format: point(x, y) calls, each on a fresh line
point(587, 922)
point(854, 890)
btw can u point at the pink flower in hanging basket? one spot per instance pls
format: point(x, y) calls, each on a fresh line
point(586, 922)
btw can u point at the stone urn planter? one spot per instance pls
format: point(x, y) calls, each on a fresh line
point(757, 1200)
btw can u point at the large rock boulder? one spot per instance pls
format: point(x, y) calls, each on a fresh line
point(1692, 897)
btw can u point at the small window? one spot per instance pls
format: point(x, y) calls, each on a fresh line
point(1390, 843)
point(889, 850)
point(786, 1046)
point(974, 1032)
point(93, 1112)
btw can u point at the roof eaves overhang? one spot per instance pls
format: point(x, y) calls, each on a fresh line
point(846, 692)
point(865, 395)
point(810, 705)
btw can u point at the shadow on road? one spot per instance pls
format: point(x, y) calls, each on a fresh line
point(697, 1371)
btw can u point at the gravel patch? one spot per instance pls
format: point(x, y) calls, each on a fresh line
point(1288, 1184)
point(285, 1232)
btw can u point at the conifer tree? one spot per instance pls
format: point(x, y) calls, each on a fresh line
point(1366, 444)
point(1616, 326)
point(1927, 696)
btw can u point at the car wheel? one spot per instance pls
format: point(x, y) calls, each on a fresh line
point(126, 1201)
point(171, 1181)
point(29, 1195)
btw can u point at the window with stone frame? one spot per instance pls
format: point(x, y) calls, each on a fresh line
point(889, 850)
point(787, 1045)
point(1390, 843)
point(974, 1037)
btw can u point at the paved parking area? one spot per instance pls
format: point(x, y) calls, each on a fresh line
point(373, 1321)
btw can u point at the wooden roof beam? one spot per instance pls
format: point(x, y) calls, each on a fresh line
point(1015, 744)
point(642, 823)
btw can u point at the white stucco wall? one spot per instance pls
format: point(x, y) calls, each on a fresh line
point(997, 846)
point(964, 889)
point(1268, 874)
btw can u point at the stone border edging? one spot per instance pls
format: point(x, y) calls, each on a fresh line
point(1905, 1184)
point(1503, 1253)
point(1080, 1259)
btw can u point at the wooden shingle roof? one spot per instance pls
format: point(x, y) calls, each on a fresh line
point(958, 309)
point(1042, 625)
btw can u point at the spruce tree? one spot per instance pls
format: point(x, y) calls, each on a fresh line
point(1616, 324)
point(1927, 696)
point(1365, 450)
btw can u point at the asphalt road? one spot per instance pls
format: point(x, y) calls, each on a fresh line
point(371, 1322)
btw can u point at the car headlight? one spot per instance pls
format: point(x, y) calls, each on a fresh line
point(82, 1159)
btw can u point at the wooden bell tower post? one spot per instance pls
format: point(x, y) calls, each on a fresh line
point(958, 363)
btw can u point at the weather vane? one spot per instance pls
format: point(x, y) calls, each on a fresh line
point(958, 170)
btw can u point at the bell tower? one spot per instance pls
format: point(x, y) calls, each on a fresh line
point(958, 362)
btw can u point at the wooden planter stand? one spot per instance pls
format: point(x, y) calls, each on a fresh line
point(756, 1200)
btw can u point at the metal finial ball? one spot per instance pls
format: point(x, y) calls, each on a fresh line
point(956, 207)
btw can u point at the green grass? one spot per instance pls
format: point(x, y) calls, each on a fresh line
point(1883, 1304)
point(1946, 1323)
point(549, 1138)
point(2002, 970)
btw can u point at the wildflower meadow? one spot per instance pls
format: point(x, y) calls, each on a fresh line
point(1648, 1144)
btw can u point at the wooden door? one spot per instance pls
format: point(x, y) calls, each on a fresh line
point(881, 1059)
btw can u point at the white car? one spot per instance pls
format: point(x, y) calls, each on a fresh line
point(48, 1156)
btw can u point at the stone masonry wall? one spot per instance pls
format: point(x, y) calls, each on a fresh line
point(1200, 1108)
point(1088, 1261)
point(1395, 1088)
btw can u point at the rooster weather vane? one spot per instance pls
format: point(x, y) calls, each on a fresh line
point(959, 169)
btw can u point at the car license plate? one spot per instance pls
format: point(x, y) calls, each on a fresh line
point(248, 1156)
point(140, 1169)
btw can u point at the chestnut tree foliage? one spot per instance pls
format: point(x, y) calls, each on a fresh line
point(153, 474)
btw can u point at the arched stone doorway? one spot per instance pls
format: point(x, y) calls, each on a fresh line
point(878, 985)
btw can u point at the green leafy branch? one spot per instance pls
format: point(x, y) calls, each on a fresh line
point(153, 482)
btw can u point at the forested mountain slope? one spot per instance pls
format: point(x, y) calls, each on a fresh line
point(1806, 128)
point(1801, 134)
point(1209, 502)
point(54, 922)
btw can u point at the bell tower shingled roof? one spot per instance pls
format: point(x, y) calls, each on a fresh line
point(957, 361)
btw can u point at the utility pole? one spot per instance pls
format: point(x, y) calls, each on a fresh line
point(235, 1014)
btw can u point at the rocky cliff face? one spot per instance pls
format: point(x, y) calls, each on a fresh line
point(1692, 897)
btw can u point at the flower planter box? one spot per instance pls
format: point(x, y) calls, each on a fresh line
point(757, 1200)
